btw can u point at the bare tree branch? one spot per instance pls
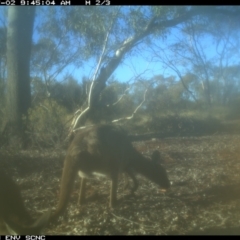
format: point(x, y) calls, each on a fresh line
point(134, 112)
point(155, 24)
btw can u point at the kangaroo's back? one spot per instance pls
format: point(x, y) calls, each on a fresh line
point(102, 148)
point(12, 210)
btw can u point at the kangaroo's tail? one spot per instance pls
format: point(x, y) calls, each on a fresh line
point(66, 185)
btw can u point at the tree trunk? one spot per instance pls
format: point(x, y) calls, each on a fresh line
point(19, 41)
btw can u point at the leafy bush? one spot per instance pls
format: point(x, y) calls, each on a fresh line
point(46, 123)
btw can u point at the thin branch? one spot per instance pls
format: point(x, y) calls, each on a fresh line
point(96, 71)
point(134, 112)
point(124, 94)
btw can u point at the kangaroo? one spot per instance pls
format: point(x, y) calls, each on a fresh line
point(156, 158)
point(13, 212)
point(107, 150)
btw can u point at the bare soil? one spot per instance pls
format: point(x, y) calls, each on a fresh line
point(204, 196)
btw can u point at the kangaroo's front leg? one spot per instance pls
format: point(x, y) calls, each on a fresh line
point(131, 174)
point(81, 197)
point(113, 191)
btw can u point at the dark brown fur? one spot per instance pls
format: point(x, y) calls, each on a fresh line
point(105, 149)
point(12, 210)
point(156, 158)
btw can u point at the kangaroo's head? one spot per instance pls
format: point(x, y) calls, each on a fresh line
point(157, 160)
point(165, 183)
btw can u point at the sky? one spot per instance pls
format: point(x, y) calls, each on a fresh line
point(128, 69)
point(140, 64)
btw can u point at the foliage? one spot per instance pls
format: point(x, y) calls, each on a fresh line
point(69, 94)
point(175, 125)
point(69, 38)
point(114, 103)
point(46, 123)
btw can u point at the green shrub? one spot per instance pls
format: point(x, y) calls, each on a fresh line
point(46, 123)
